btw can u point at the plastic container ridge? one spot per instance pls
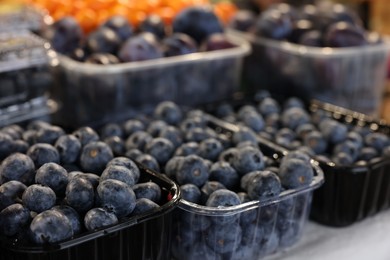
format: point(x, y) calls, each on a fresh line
point(89, 93)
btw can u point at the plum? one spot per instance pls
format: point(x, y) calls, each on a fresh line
point(120, 25)
point(153, 24)
point(178, 44)
point(217, 41)
point(273, 24)
point(103, 39)
point(143, 46)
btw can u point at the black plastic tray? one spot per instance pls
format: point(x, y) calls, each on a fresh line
point(140, 237)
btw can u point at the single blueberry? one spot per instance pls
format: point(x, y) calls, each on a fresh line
point(20, 146)
point(155, 127)
point(42, 153)
point(192, 169)
point(49, 134)
point(144, 205)
point(187, 149)
point(149, 190)
point(131, 126)
point(173, 134)
point(161, 149)
point(224, 173)
point(103, 40)
point(334, 131)
point(140, 47)
point(223, 198)
point(133, 153)
point(111, 129)
point(210, 149)
point(168, 112)
point(172, 166)
point(208, 188)
point(98, 218)
point(198, 134)
point(116, 196)
point(138, 140)
point(86, 135)
point(116, 144)
point(80, 194)
point(244, 133)
point(72, 215)
point(342, 159)
point(273, 24)
point(120, 25)
point(304, 129)
point(154, 24)
point(178, 44)
point(6, 145)
point(13, 219)
point(128, 163)
point(50, 226)
point(53, 176)
point(316, 141)
point(10, 193)
point(294, 117)
point(18, 167)
point(120, 173)
point(95, 156)
point(295, 173)
point(265, 184)
point(347, 147)
point(228, 155)
point(38, 198)
point(68, 147)
point(377, 140)
point(190, 192)
point(149, 162)
point(248, 159)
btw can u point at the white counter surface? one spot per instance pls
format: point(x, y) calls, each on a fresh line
point(367, 239)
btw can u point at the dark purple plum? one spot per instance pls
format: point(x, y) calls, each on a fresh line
point(143, 46)
point(178, 44)
point(153, 24)
point(273, 24)
point(103, 40)
point(216, 41)
point(343, 34)
point(120, 25)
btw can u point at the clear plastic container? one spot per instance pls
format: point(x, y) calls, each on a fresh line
point(96, 93)
point(250, 230)
point(352, 77)
point(25, 76)
point(145, 236)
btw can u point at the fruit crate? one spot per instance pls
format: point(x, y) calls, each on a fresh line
point(251, 230)
point(353, 77)
point(351, 193)
point(94, 93)
point(25, 77)
point(144, 236)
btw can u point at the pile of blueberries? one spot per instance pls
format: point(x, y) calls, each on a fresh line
point(322, 25)
point(116, 40)
point(218, 169)
point(290, 124)
point(87, 180)
point(55, 185)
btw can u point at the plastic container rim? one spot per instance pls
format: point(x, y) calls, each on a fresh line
point(242, 48)
point(308, 51)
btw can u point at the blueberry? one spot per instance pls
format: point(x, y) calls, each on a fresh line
point(161, 149)
point(295, 173)
point(264, 184)
point(224, 173)
point(342, 159)
point(91, 177)
point(153, 24)
point(98, 218)
point(143, 46)
point(191, 123)
point(103, 40)
point(198, 22)
point(149, 190)
point(297, 154)
point(6, 145)
point(248, 159)
point(49, 134)
point(138, 140)
point(120, 173)
point(334, 132)
point(72, 215)
point(128, 163)
point(223, 198)
point(228, 155)
point(131, 126)
point(168, 112)
point(269, 106)
point(356, 138)
point(38, 198)
point(242, 20)
point(244, 133)
point(116, 196)
point(68, 147)
point(120, 25)
point(133, 153)
point(13, 130)
point(254, 121)
point(149, 162)
point(116, 144)
point(294, 117)
point(187, 149)
point(111, 129)
point(86, 135)
point(172, 165)
point(80, 194)
point(20, 146)
point(304, 129)
point(10, 193)
point(173, 134)
point(155, 127)
point(273, 24)
point(50, 226)
point(377, 140)
point(42, 153)
point(53, 176)
point(285, 134)
point(144, 205)
point(190, 192)
point(18, 167)
point(208, 188)
point(13, 218)
point(224, 239)
point(316, 141)
point(210, 149)
point(178, 44)
point(347, 147)
point(95, 156)
point(65, 35)
point(192, 169)
point(198, 134)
